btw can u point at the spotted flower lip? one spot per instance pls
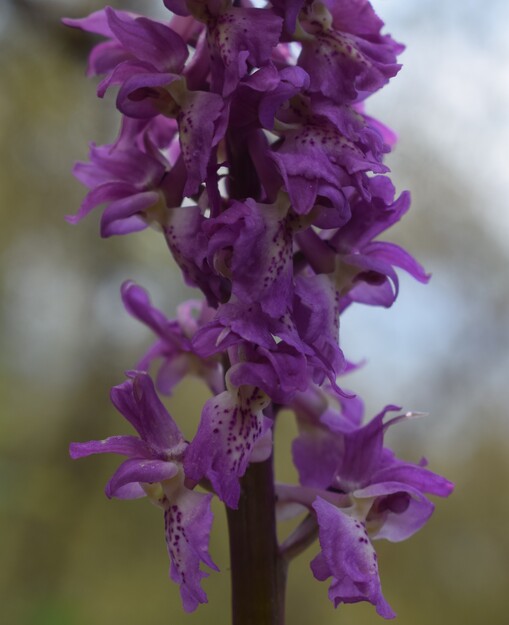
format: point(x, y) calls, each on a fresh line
point(349, 558)
point(240, 37)
point(344, 52)
point(231, 425)
point(317, 155)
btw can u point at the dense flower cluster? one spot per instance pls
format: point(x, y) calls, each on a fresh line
point(244, 140)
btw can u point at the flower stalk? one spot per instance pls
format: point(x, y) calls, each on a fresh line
point(258, 572)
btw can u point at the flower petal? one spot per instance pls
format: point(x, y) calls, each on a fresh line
point(280, 372)
point(130, 491)
point(124, 445)
point(398, 512)
point(143, 92)
point(315, 454)
point(148, 40)
point(241, 36)
point(107, 192)
point(397, 256)
point(363, 450)
point(96, 22)
point(416, 476)
point(105, 56)
point(126, 215)
point(348, 556)
point(139, 470)
point(137, 303)
point(231, 424)
point(187, 521)
point(137, 400)
point(260, 267)
point(201, 125)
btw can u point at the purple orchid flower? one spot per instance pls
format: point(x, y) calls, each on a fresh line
point(148, 62)
point(355, 462)
point(128, 176)
point(346, 57)
point(384, 495)
point(131, 38)
point(365, 270)
point(325, 151)
point(107, 55)
point(174, 340)
point(251, 245)
point(154, 468)
point(238, 38)
point(281, 355)
point(362, 269)
point(186, 238)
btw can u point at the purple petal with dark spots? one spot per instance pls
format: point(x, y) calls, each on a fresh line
point(230, 425)
point(241, 36)
point(349, 558)
point(188, 519)
point(200, 130)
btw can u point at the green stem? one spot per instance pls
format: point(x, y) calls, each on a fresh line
point(258, 573)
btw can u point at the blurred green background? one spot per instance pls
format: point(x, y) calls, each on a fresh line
point(68, 556)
